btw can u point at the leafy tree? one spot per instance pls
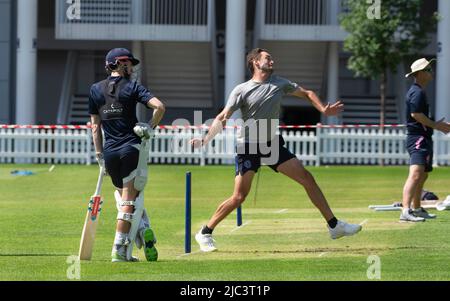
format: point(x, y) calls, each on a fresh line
point(382, 34)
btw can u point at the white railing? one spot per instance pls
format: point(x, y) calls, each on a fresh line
point(175, 12)
point(39, 145)
point(362, 145)
point(441, 149)
point(313, 20)
point(145, 20)
point(304, 12)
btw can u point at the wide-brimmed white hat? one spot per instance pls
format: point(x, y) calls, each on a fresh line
point(419, 65)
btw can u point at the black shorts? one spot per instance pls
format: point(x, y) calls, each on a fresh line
point(250, 157)
point(121, 164)
point(420, 149)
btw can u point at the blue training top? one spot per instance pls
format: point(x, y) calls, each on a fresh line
point(115, 100)
point(416, 102)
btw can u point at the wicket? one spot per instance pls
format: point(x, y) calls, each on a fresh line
point(187, 237)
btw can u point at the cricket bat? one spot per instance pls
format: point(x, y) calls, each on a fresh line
point(91, 221)
point(427, 204)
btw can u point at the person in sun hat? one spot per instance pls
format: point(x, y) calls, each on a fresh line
point(420, 126)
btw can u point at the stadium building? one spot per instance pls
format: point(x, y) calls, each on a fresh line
point(193, 54)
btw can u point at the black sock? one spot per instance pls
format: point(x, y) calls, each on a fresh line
point(206, 230)
point(332, 223)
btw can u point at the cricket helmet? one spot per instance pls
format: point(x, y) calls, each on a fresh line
point(119, 54)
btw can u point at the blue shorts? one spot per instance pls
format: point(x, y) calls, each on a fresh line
point(121, 164)
point(248, 158)
point(420, 149)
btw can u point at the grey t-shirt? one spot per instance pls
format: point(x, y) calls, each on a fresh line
point(260, 104)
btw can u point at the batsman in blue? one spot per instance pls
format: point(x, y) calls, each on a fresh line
point(122, 146)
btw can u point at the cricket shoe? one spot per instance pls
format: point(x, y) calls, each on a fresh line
point(118, 257)
point(140, 238)
point(408, 216)
point(206, 242)
point(343, 229)
point(421, 212)
point(149, 238)
point(119, 254)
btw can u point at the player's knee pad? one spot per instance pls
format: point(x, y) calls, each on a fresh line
point(144, 224)
point(138, 219)
point(142, 167)
point(137, 216)
point(138, 205)
point(118, 199)
point(130, 217)
point(124, 216)
point(137, 213)
point(145, 220)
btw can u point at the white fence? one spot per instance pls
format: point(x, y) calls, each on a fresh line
point(39, 145)
point(360, 145)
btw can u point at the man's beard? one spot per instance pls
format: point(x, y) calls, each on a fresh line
point(266, 69)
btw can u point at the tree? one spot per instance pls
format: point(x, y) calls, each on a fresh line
point(382, 34)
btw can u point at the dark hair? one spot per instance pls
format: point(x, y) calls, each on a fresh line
point(252, 55)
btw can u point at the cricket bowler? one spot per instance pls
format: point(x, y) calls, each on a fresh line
point(259, 100)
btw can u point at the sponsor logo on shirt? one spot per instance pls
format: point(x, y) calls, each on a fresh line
point(116, 108)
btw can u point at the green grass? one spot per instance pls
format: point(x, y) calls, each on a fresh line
point(41, 219)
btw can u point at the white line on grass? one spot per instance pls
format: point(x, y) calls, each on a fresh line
point(281, 211)
point(363, 222)
point(187, 254)
point(237, 228)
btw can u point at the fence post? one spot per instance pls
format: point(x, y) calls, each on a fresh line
point(88, 146)
point(187, 225)
point(381, 144)
point(202, 149)
point(318, 144)
point(436, 152)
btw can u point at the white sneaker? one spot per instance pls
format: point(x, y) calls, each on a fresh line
point(119, 253)
point(343, 229)
point(117, 257)
point(408, 216)
point(206, 242)
point(420, 212)
point(445, 205)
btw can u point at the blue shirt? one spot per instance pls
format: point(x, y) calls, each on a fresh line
point(416, 102)
point(118, 129)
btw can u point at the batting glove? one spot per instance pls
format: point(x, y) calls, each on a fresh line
point(100, 161)
point(143, 130)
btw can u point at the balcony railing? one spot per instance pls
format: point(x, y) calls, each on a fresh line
point(145, 20)
point(299, 20)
